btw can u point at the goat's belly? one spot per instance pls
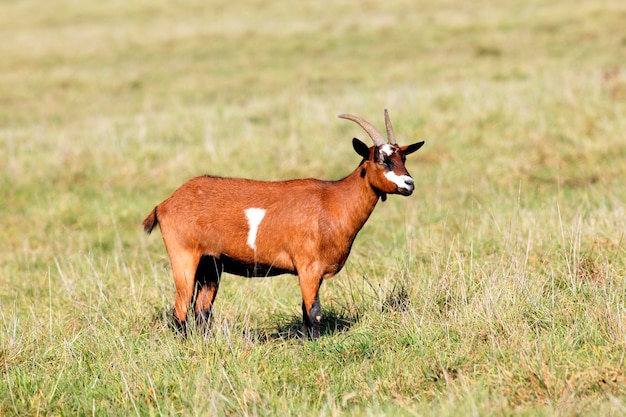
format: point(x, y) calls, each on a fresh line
point(246, 269)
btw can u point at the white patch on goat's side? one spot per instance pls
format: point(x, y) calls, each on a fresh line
point(387, 149)
point(254, 215)
point(402, 181)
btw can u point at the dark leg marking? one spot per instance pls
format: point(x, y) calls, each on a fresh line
point(207, 283)
point(311, 320)
point(180, 326)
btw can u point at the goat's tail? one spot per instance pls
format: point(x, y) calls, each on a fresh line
point(151, 221)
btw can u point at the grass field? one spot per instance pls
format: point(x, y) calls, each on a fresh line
point(497, 288)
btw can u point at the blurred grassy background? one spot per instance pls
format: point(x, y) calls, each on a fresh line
point(497, 288)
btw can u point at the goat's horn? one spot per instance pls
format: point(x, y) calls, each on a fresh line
point(390, 135)
point(371, 130)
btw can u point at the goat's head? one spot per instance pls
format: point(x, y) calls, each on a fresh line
point(383, 163)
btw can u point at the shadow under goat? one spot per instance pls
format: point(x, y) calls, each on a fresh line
point(255, 228)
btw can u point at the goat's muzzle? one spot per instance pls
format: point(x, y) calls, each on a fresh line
point(406, 191)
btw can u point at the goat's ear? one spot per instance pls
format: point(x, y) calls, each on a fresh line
point(361, 148)
point(409, 149)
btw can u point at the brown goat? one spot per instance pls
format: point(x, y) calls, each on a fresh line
point(260, 228)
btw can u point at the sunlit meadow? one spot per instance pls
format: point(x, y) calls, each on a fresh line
point(497, 288)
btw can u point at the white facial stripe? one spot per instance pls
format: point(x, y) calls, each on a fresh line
point(387, 149)
point(402, 181)
point(254, 215)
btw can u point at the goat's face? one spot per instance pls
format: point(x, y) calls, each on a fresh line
point(384, 168)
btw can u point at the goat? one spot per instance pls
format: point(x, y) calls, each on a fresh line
point(252, 228)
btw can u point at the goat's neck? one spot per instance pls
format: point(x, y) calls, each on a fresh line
point(356, 200)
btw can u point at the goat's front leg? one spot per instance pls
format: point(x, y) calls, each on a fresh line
point(310, 282)
point(311, 319)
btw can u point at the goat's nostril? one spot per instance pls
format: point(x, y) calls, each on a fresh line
point(409, 181)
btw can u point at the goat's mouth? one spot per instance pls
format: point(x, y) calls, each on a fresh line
point(405, 191)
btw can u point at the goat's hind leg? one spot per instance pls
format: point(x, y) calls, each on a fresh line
point(207, 283)
point(184, 265)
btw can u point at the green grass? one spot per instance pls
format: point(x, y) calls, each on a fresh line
point(498, 288)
